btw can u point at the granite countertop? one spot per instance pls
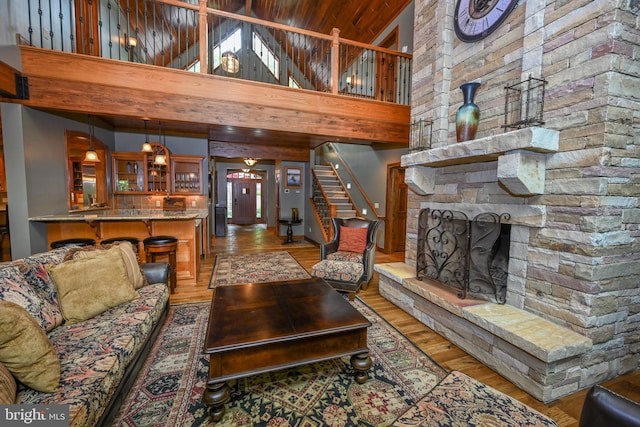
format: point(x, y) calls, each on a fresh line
point(121, 215)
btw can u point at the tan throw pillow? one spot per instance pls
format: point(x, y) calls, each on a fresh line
point(26, 351)
point(128, 256)
point(90, 286)
point(352, 239)
point(8, 386)
point(131, 263)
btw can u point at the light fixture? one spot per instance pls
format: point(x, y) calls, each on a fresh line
point(348, 80)
point(246, 170)
point(91, 155)
point(160, 157)
point(250, 162)
point(146, 147)
point(230, 62)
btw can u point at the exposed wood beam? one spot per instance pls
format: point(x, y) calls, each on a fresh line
point(78, 83)
point(8, 80)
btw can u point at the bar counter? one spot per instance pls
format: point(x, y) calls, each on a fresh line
point(190, 227)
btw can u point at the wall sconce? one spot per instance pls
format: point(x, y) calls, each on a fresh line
point(146, 147)
point(250, 162)
point(348, 79)
point(91, 155)
point(230, 63)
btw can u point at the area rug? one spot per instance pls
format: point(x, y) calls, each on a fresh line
point(168, 390)
point(255, 268)
point(461, 401)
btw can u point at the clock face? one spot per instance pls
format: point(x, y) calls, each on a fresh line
point(476, 19)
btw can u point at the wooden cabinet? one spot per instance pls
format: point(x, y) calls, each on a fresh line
point(140, 173)
point(128, 173)
point(186, 174)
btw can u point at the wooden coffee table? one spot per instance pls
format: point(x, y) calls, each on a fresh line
point(261, 327)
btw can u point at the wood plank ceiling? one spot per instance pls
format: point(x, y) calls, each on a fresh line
point(361, 20)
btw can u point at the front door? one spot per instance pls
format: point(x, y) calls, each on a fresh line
point(244, 201)
point(244, 197)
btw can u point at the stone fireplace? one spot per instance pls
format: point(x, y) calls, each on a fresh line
point(571, 189)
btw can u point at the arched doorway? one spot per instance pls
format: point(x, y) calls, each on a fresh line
point(245, 201)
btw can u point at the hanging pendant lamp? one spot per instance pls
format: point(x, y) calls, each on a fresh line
point(230, 63)
point(160, 157)
point(146, 147)
point(91, 155)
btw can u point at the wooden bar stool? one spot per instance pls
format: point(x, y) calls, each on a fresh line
point(163, 245)
point(72, 242)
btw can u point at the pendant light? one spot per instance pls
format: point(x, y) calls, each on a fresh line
point(146, 147)
point(230, 63)
point(160, 157)
point(91, 155)
point(250, 162)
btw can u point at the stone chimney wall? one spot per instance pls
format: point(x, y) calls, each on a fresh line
point(581, 268)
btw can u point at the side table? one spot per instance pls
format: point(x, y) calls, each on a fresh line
point(289, 223)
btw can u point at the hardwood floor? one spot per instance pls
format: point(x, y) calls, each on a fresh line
point(248, 239)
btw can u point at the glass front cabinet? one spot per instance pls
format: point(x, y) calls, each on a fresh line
point(128, 173)
point(146, 173)
point(186, 174)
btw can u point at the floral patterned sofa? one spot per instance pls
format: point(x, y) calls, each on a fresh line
point(75, 327)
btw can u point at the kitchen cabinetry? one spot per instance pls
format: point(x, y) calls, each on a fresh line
point(186, 174)
point(140, 173)
point(128, 173)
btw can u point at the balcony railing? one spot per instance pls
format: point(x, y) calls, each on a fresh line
point(192, 37)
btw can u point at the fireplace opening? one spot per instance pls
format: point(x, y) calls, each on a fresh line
point(469, 256)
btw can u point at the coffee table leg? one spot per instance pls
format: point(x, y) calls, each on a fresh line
point(214, 397)
point(361, 363)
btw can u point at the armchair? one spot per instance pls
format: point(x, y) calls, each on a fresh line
point(346, 262)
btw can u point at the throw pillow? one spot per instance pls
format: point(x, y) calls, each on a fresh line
point(34, 269)
point(8, 386)
point(15, 288)
point(129, 257)
point(26, 351)
point(90, 286)
point(352, 239)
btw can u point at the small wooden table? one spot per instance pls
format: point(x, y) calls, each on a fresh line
point(289, 223)
point(261, 327)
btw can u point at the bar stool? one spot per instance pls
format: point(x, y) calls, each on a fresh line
point(72, 242)
point(162, 245)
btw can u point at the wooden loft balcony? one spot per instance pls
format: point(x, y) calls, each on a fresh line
point(158, 67)
point(220, 108)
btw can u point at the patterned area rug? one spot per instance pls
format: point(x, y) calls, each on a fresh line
point(168, 390)
point(461, 401)
point(255, 268)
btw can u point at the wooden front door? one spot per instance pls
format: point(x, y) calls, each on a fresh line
point(396, 224)
point(244, 201)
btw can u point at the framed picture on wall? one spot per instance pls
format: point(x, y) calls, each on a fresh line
point(293, 177)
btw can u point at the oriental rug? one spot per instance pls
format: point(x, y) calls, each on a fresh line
point(168, 390)
point(255, 268)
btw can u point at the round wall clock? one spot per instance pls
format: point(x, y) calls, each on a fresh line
point(476, 19)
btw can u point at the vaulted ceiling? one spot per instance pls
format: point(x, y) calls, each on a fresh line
point(361, 20)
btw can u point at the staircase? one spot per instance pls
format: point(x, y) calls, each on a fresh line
point(329, 198)
point(334, 192)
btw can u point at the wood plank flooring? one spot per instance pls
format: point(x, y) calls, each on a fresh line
point(248, 239)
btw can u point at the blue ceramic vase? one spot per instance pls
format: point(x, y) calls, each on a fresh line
point(468, 114)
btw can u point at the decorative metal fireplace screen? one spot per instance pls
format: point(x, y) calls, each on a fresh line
point(469, 256)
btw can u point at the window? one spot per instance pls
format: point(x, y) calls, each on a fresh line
point(265, 54)
point(233, 43)
point(195, 66)
point(293, 83)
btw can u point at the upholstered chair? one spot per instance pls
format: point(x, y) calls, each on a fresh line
point(346, 262)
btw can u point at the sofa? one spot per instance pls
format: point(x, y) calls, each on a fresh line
point(76, 324)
